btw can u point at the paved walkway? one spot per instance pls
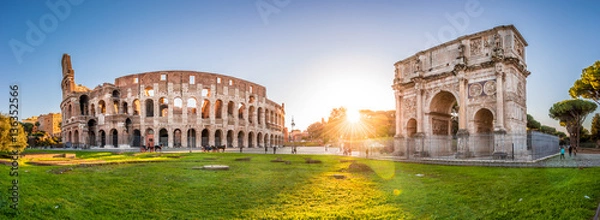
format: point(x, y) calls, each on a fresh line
point(581, 160)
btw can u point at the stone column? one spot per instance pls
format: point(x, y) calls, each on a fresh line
point(499, 101)
point(462, 146)
point(399, 146)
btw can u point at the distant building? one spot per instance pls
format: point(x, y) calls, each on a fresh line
point(49, 123)
point(173, 108)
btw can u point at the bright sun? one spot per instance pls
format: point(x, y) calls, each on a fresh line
point(352, 116)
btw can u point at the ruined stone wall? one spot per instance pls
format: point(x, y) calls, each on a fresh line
point(174, 108)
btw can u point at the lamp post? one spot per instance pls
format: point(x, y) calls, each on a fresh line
point(292, 136)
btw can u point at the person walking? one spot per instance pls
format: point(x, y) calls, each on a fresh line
point(570, 150)
point(266, 149)
point(274, 149)
point(562, 153)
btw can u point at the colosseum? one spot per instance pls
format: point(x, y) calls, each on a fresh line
point(172, 108)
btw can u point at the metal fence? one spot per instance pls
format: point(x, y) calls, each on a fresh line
point(486, 146)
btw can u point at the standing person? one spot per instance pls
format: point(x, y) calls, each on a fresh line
point(266, 149)
point(274, 149)
point(570, 150)
point(562, 153)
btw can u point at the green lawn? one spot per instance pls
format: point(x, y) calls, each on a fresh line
point(260, 189)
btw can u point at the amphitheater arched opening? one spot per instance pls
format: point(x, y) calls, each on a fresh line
point(206, 109)
point(230, 138)
point(84, 101)
point(177, 138)
point(76, 137)
point(230, 106)
point(251, 139)
point(205, 137)
point(70, 137)
point(441, 113)
point(101, 107)
point(102, 138)
point(241, 109)
point(218, 137)
point(241, 139)
point(260, 115)
point(149, 137)
point(251, 115)
point(218, 109)
point(266, 141)
point(149, 91)
point(128, 125)
point(259, 139)
point(267, 116)
point(116, 107)
point(191, 138)
point(149, 107)
point(93, 110)
point(69, 111)
point(136, 107)
point(192, 108)
point(163, 107)
point(177, 106)
point(163, 136)
point(137, 138)
point(124, 107)
point(116, 94)
point(114, 137)
point(92, 132)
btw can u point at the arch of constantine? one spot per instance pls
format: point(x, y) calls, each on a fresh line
point(465, 98)
point(173, 108)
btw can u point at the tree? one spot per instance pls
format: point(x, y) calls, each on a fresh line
point(547, 129)
point(588, 86)
point(571, 114)
point(532, 124)
point(333, 129)
point(8, 142)
point(595, 129)
point(28, 127)
point(315, 131)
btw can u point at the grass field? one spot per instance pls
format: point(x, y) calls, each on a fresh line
point(261, 189)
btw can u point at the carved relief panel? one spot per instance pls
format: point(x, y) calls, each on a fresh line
point(476, 48)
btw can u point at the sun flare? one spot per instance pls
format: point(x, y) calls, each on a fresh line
point(353, 116)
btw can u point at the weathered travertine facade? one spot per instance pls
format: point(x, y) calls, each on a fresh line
point(479, 79)
point(175, 108)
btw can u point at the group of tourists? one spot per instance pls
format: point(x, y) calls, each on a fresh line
point(572, 151)
point(151, 147)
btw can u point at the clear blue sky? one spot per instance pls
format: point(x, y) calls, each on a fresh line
point(311, 55)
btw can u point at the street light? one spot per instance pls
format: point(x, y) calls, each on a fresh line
point(292, 135)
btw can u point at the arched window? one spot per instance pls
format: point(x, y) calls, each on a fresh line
point(149, 91)
point(177, 104)
point(218, 109)
point(136, 107)
point(149, 108)
point(206, 109)
point(191, 106)
point(101, 107)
